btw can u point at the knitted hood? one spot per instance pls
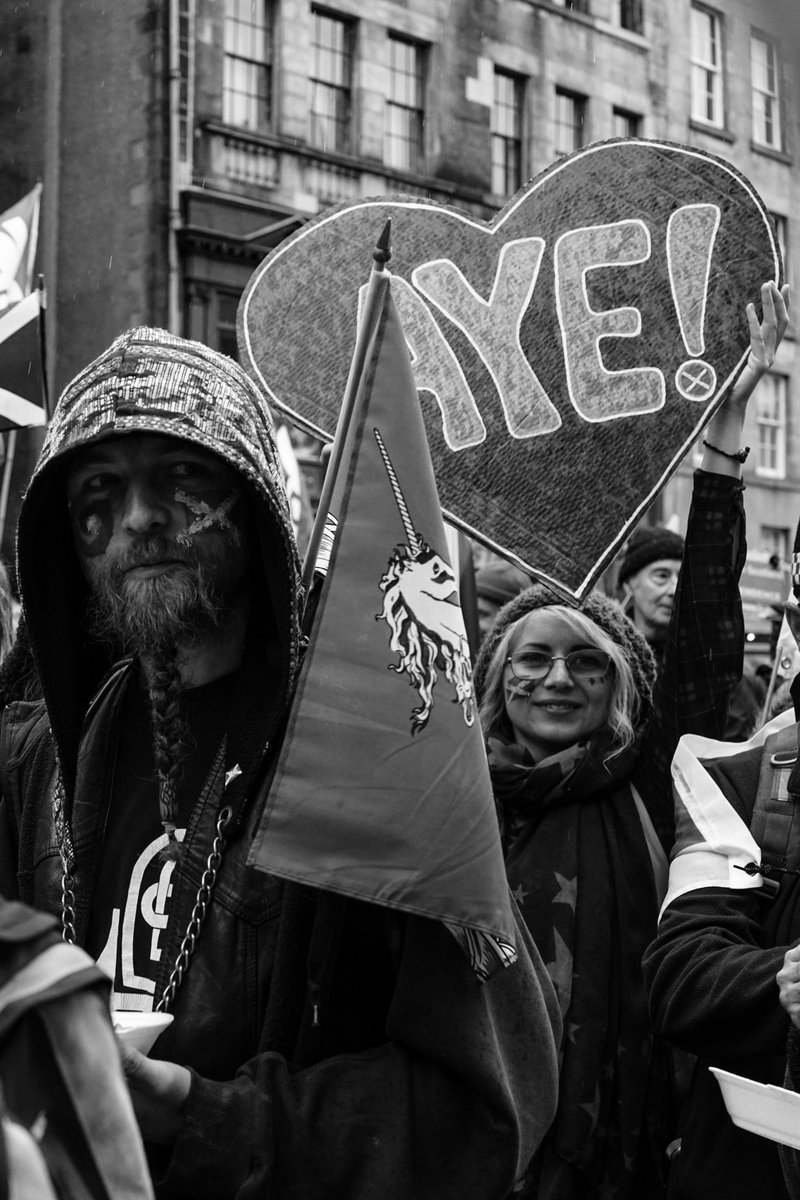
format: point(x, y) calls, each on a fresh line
point(605, 613)
point(147, 381)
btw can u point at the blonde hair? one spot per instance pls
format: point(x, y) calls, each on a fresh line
point(624, 704)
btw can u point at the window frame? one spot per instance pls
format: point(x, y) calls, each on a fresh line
point(776, 539)
point(340, 120)
point(580, 105)
point(782, 237)
point(629, 15)
point(409, 132)
point(712, 70)
point(775, 95)
point(774, 421)
point(619, 114)
point(500, 139)
point(255, 102)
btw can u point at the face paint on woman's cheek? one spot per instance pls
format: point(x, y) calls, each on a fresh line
point(520, 691)
point(93, 527)
point(208, 516)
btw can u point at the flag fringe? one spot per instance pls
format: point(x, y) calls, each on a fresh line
point(486, 952)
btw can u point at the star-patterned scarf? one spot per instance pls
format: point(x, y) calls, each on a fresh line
point(579, 866)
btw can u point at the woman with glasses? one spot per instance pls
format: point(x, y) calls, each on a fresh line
point(580, 736)
point(566, 701)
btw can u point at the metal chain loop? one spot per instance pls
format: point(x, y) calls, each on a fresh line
point(68, 907)
point(67, 854)
point(207, 884)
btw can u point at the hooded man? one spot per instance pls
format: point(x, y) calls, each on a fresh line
point(319, 1046)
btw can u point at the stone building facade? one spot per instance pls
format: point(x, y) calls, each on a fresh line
point(178, 141)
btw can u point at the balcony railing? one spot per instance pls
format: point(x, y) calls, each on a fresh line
point(262, 161)
point(243, 160)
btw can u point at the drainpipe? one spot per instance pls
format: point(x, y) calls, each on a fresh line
point(174, 306)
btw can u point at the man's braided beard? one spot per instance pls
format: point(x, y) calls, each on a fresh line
point(155, 619)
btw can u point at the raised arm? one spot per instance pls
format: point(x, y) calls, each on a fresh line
point(723, 438)
point(704, 651)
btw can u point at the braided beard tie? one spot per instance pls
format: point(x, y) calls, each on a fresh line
point(168, 807)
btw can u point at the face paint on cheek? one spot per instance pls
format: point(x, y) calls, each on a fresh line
point(92, 525)
point(519, 691)
point(206, 517)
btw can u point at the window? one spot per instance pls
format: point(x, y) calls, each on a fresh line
point(626, 124)
point(185, 67)
point(506, 133)
point(771, 421)
point(766, 98)
point(227, 306)
point(581, 6)
point(775, 541)
point(706, 40)
point(405, 112)
point(211, 317)
point(629, 15)
point(570, 122)
point(332, 45)
point(247, 82)
point(782, 237)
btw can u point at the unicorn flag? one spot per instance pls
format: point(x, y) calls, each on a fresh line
point(382, 789)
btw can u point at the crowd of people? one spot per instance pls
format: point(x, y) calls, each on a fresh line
point(327, 1047)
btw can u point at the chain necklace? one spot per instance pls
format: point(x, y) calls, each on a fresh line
point(202, 902)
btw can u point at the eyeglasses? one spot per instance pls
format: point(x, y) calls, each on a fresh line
point(581, 664)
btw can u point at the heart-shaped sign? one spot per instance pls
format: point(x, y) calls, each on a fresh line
point(566, 355)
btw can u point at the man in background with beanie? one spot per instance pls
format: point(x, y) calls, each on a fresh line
point(648, 576)
point(144, 700)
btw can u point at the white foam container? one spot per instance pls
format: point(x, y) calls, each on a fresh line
point(139, 1029)
point(762, 1108)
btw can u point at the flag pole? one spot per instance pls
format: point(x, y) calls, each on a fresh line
point(376, 289)
point(43, 344)
point(8, 468)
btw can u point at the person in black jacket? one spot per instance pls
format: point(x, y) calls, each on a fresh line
point(161, 599)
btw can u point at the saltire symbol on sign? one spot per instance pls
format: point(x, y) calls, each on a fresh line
point(421, 607)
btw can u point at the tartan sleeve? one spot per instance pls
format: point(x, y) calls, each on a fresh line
point(704, 650)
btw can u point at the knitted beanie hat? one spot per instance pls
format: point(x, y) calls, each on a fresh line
point(607, 614)
point(500, 581)
point(648, 544)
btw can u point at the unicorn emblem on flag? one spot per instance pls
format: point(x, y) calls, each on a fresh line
point(421, 607)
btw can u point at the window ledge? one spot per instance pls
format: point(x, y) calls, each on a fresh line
point(714, 131)
point(717, 131)
point(770, 152)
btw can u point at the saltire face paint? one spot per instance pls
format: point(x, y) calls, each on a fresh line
point(206, 517)
point(520, 691)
